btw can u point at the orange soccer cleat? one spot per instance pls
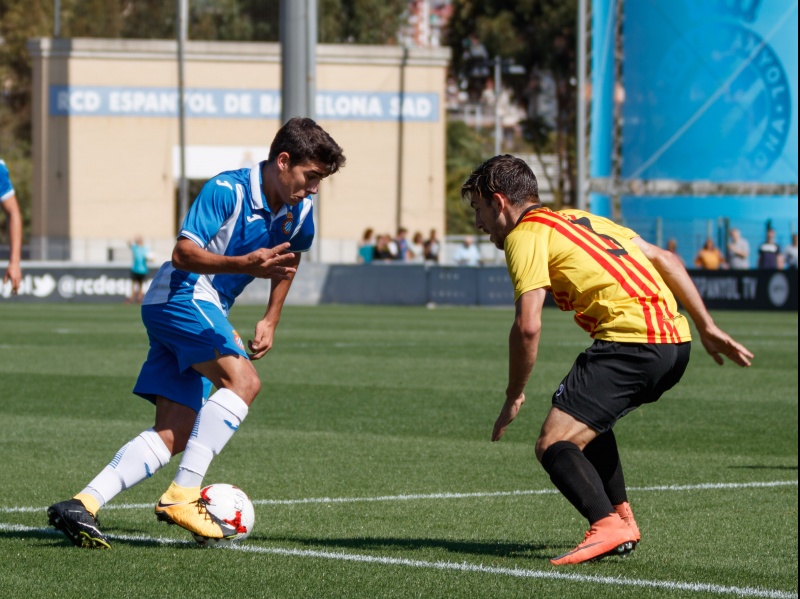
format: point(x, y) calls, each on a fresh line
point(624, 511)
point(609, 536)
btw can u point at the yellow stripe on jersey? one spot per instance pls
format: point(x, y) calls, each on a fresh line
point(591, 267)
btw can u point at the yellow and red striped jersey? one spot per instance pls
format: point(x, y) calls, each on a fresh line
point(591, 267)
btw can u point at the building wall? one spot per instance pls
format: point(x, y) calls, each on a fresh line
point(107, 167)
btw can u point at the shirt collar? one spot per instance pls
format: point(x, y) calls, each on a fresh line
point(528, 209)
point(257, 199)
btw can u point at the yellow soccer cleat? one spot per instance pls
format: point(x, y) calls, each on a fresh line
point(184, 507)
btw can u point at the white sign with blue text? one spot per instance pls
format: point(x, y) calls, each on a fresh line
point(241, 104)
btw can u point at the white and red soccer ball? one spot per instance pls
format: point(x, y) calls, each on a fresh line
point(231, 508)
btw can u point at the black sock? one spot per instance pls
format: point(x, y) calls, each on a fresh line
point(577, 479)
point(604, 456)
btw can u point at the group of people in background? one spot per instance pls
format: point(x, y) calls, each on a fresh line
point(770, 255)
point(400, 248)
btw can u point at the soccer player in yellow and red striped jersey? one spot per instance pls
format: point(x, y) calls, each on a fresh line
point(623, 292)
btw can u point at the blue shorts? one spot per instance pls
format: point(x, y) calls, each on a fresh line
point(182, 334)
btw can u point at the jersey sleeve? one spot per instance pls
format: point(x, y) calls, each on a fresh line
point(304, 234)
point(214, 205)
point(6, 189)
point(526, 256)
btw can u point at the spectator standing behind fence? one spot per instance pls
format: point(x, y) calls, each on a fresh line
point(402, 244)
point(416, 249)
point(738, 251)
point(139, 270)
point(366, 247)
point(468, 254)
point(790, 254)
point(769, 253)
point(8, 201)
point(672, 248)
point(385, 249)
point(432, 247)
point(709, 257)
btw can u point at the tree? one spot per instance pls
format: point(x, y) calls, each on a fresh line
point(361, 21)
point(541, 36)
point(466, 149)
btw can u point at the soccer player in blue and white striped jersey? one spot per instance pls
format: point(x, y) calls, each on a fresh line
point(245, 224)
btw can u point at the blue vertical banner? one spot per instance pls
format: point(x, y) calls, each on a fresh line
point(711, 91)
point(602, 86)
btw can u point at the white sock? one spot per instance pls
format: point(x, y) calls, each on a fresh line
point(216, 422)
point(139, 459)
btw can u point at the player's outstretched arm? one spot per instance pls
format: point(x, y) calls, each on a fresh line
point(716, 341)
point(263, 263)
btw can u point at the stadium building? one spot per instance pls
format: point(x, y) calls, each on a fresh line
point(106, 138)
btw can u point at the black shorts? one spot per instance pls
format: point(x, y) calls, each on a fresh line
point(137, 278)
point(610, 379)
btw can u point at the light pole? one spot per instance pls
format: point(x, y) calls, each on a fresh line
point(498, 131)
point(57, 19)
point(509, 68)
point(183, 185)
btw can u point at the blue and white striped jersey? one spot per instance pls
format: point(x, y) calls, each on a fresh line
point(231, 217)
point(6, 189)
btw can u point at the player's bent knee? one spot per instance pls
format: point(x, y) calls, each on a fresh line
point(541, 446)
point(248, 386)
point(254, 383)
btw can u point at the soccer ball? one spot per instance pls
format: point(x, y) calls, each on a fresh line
point(231, 508)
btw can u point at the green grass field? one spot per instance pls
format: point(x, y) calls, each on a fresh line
point(367, 455)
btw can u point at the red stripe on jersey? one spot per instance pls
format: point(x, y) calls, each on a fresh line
point(562, 299)
point(603, 244)
point(587, 323)
point(580, 236)
point(664, 315)
point(661, 306)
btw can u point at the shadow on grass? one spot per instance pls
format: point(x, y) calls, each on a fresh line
point(115, 537)
point(132, 538)
point(488, 548)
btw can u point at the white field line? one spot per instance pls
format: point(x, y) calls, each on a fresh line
point(696, 587)
point(308, 500)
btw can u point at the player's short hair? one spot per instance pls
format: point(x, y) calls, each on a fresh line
point(504, 174)
point(305, 141)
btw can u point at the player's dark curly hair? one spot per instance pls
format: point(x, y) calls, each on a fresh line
point(504, 174)
point(305, 141)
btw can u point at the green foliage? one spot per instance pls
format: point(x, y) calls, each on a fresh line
point(361, 21)
point(540, 35)
point(466, 149)
point(376, 402)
